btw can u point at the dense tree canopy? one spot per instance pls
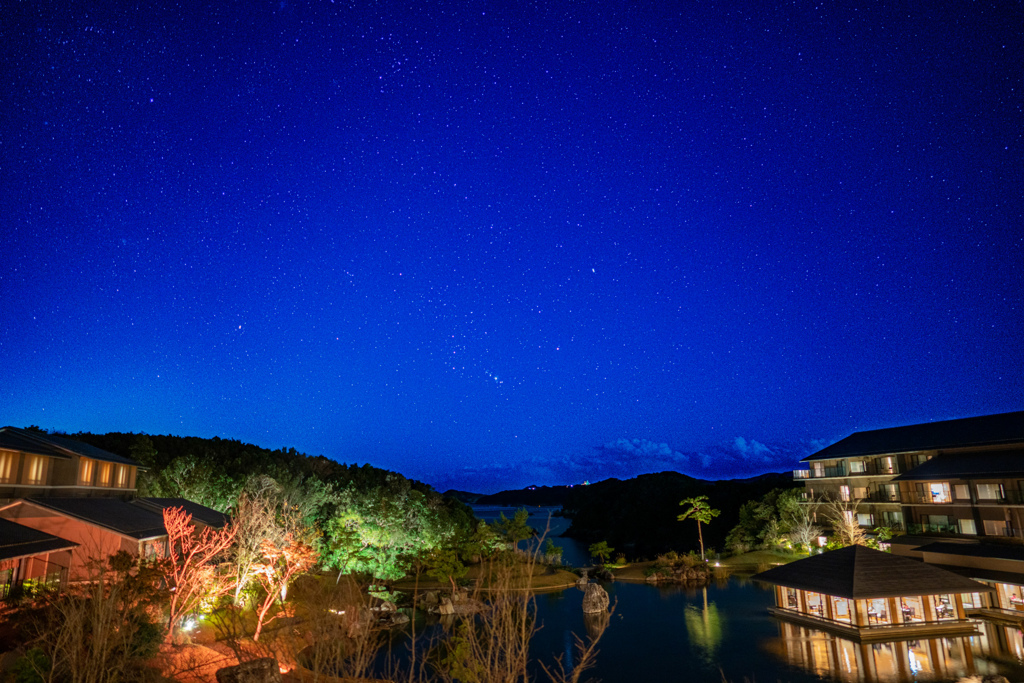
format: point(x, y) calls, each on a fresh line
point(359, 518)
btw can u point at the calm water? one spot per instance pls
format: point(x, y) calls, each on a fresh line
point(667, 633)
point(543, 520)
point(724, 632)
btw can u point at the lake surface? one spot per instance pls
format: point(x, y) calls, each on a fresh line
point(724, 632)
point(544, 521)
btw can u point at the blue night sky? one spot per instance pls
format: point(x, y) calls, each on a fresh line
point(496, 244)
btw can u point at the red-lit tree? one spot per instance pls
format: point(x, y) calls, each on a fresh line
point(280, 563)
point(192, 574)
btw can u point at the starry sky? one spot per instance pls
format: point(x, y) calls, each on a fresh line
point(493, 244)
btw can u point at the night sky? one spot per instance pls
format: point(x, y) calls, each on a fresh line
point(498, 244)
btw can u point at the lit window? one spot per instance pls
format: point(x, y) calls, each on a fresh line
point(995, 527)
point(940, 492)
point(6, 467)
point(105, 468)
point(967, 526)
point(972, 600)
point(945, 607)
point(35, 469)
point(857, 467)
point(122, 476)
point(85, 471)
point(844, 493)
point(990, 491)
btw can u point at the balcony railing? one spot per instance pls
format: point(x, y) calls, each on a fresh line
point(819, 473)
point(929, 498)
point(933, 528)
point(876, 468)
point(1010, 497)
point(883, 497)
point(845, 469)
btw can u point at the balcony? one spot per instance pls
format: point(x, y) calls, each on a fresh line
point(929, 498)
point(933, 529)
point(873, 468)
point(883, 497)
point(820, 473)
point(1007, 497)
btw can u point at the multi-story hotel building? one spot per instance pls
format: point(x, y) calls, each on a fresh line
point(961, 478)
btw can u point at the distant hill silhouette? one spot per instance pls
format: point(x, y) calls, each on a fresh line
point(531, 495)
point(638, 516)
point(467, 497)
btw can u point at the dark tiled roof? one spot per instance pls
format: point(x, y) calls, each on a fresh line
point(21, 541)
point(135, 521)
point(858, 572)
point(984, 574)
point(986, 430)
point(200, 513)
point(995, 464)
point(993, 550)
point(52, 446)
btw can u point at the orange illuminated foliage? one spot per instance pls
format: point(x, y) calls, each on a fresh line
point(192, 574)
point(280, 563)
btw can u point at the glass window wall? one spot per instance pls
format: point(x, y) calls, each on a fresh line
point(945, 607)
point(842, 610)
point(912, 608)
point(815, 604)
point(878, 611)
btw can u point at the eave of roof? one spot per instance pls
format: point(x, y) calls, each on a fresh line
point(49, 445)
point(200, 513)
point(860, 573)
point(17, 540)
point(983, 430)
point(988, 465)
point(982, 550)
point(112, 514)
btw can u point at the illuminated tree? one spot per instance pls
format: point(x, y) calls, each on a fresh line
point(700, 511)
point(842, 515)
point(192, 575)
point(278, 566)
point(268, 510)
point(601, 551)
point(380, 531)
point(515, 529)
point(803, 532)
point(97, 630)
point(444, 563)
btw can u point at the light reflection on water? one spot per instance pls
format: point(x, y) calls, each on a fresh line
point(725, 633)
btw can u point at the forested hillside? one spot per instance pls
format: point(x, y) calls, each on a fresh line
point(359, 518)
point(638, 516)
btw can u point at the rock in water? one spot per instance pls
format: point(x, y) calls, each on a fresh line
point(583, 580)
point(446, 607)
point(595, 600)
